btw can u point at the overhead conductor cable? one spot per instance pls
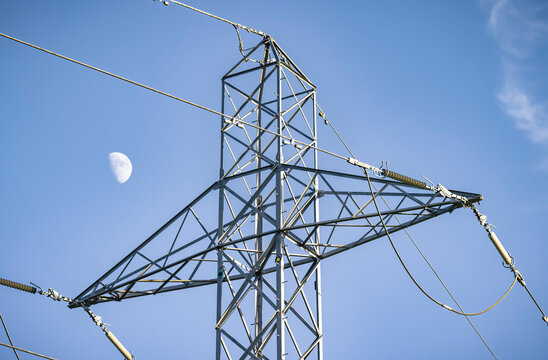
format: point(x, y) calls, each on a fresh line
point(243, 27)
point(9, 337)
point(229, 120)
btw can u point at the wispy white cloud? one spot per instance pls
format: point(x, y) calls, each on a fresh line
point(528, 115)
point(520, 29)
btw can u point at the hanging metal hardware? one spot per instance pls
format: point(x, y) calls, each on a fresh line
point(98, 320)
point(56, 296)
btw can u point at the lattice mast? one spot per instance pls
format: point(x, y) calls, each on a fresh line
point(263, 249)
point(279, 104)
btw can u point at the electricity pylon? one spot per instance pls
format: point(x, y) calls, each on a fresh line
point(263, 250)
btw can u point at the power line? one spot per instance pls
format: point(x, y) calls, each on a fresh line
point(27, 351)
point(230, 119)
point(246, 28)
point(15, 349)
point(440, 280)
point(449, 292)
point(111, 74)
point(8, 335)
point(259, 128)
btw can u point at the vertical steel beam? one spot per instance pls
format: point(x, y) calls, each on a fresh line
point(280, 300)
point(258, 216)
point(220, 269)
point(318, 280)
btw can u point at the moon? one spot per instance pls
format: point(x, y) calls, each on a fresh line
point(121, 166)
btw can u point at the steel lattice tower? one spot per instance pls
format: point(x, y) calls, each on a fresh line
point(263, 250)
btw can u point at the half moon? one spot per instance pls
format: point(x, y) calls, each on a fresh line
point(121, 166)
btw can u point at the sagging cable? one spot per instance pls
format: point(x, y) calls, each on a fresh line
point(385, 228)
point(98, 320)
point(506, 257)
point(508, 260)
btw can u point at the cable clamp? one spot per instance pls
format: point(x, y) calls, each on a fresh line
point(98, 320)
point(292, 143)
point(518, 276)
point(363, 165)
point(52, 294)
point(324, 117)
point(234, 122)
point(353, 161)
point(446, 193)
point(545, 318)
point(382, 170)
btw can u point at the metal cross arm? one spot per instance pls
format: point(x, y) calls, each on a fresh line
point(182, 253)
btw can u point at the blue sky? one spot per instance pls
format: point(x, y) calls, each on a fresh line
point(456, 91)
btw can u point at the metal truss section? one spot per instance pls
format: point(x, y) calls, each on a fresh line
point(179, 255)
point(263, 251)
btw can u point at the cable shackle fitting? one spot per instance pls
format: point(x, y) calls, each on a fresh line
point(54, 295)
point(446, 193)
point(518, 276)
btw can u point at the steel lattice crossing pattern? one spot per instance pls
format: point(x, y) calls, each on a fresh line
point(263, 249)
